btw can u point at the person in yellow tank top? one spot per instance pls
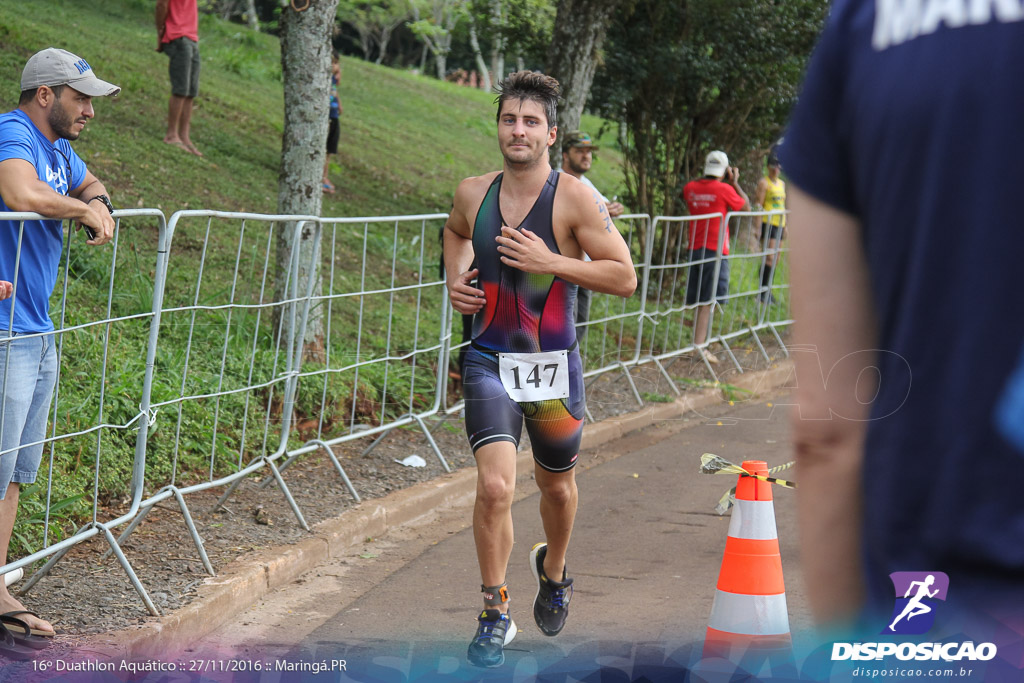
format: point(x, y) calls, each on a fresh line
point(771, 196)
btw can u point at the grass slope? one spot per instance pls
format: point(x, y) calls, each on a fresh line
point(406, 142)
point(406, 139)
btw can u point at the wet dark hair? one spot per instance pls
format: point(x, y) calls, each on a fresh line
point(530, 85)
point(29, 95)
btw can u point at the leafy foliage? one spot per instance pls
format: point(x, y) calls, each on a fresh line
point(688, 77)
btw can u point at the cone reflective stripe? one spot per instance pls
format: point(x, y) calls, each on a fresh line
point(749, 610)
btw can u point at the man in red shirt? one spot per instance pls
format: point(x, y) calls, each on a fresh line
point(177, 29)
point(718, 191)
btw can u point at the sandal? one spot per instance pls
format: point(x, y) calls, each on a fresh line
point(10, 648)
point(12, 616)
point(22, 634)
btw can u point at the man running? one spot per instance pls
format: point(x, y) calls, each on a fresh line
point(524, 364)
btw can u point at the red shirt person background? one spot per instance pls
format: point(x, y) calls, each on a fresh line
point(718, 191)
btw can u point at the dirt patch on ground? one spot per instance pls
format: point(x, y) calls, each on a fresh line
point(86, 594)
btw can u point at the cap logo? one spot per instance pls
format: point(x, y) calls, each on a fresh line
point(82, 66)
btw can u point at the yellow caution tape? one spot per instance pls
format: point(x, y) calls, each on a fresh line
point(713, 464)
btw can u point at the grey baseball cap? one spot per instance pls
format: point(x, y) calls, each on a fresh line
point(54, 66)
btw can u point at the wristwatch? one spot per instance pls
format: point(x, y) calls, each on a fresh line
point(106, 202)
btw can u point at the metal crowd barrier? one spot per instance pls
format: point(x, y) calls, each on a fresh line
point(280, 364)
point(119, 340)
point(356, 335)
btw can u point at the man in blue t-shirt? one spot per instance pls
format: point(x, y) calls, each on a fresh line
point(39, 173)
point(905, 165)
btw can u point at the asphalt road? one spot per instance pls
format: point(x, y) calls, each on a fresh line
point(645, 556)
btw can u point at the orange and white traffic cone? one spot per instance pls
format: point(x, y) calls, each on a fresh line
point(749, 616)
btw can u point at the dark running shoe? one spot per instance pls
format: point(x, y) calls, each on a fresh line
point(551, 606)
point(493, 632)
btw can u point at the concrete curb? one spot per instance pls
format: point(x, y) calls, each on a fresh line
point(242, 584)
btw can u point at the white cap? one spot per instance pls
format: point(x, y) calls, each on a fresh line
point(54, 66)
point(716, 163)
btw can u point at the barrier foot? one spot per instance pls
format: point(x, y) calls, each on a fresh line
point(129, 571)
point(664, 373)
point(782, 345)
point(337, 466)
point(380, 437)
point(291, 458)
point(227, 494)
point(433, 444)
point(45, 569)
point(632, 384)
point(288, 494)
point(757, 340)
point(589, 415)
point(732, 356)
point(704, 358)
point(195, 534)
point(128, 530)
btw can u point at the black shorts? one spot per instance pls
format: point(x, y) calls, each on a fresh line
point(700, 276)
point(775, 232)
point(555, 427)
point(183, 66)
point(333, 133)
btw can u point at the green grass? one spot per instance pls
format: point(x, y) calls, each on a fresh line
point(406, 142)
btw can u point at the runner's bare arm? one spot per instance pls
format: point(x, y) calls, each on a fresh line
point(832, 307)
point(610, 271)
point(458, 250)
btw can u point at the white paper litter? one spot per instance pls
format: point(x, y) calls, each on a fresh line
point(412, 461)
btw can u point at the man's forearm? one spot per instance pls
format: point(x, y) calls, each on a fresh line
point(741, 193)
point(834, 341)
point(40, 198)
point(458, 254)
point(93, 189)
point(161, 17)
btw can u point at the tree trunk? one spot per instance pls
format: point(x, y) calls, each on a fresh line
point(579, 31)
point(441, 63)
point(251, 16)
point(498, 40)
point(305, 65)
point(485, 78)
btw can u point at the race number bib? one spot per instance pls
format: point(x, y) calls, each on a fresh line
point(531, 377)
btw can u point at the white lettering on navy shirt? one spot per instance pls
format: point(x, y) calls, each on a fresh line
point(897, 21)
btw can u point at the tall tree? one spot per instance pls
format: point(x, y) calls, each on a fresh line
point(685, 78)
point(374, 21)
point(517, 30)
point(576, 41)
point(305, 64)
point(433, 22)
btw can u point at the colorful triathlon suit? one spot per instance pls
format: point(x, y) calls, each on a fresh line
point(525, 313)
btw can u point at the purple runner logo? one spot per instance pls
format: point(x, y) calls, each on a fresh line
point(916, 595)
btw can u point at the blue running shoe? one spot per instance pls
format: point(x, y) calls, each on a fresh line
point(493, 632)
point(551, 606)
